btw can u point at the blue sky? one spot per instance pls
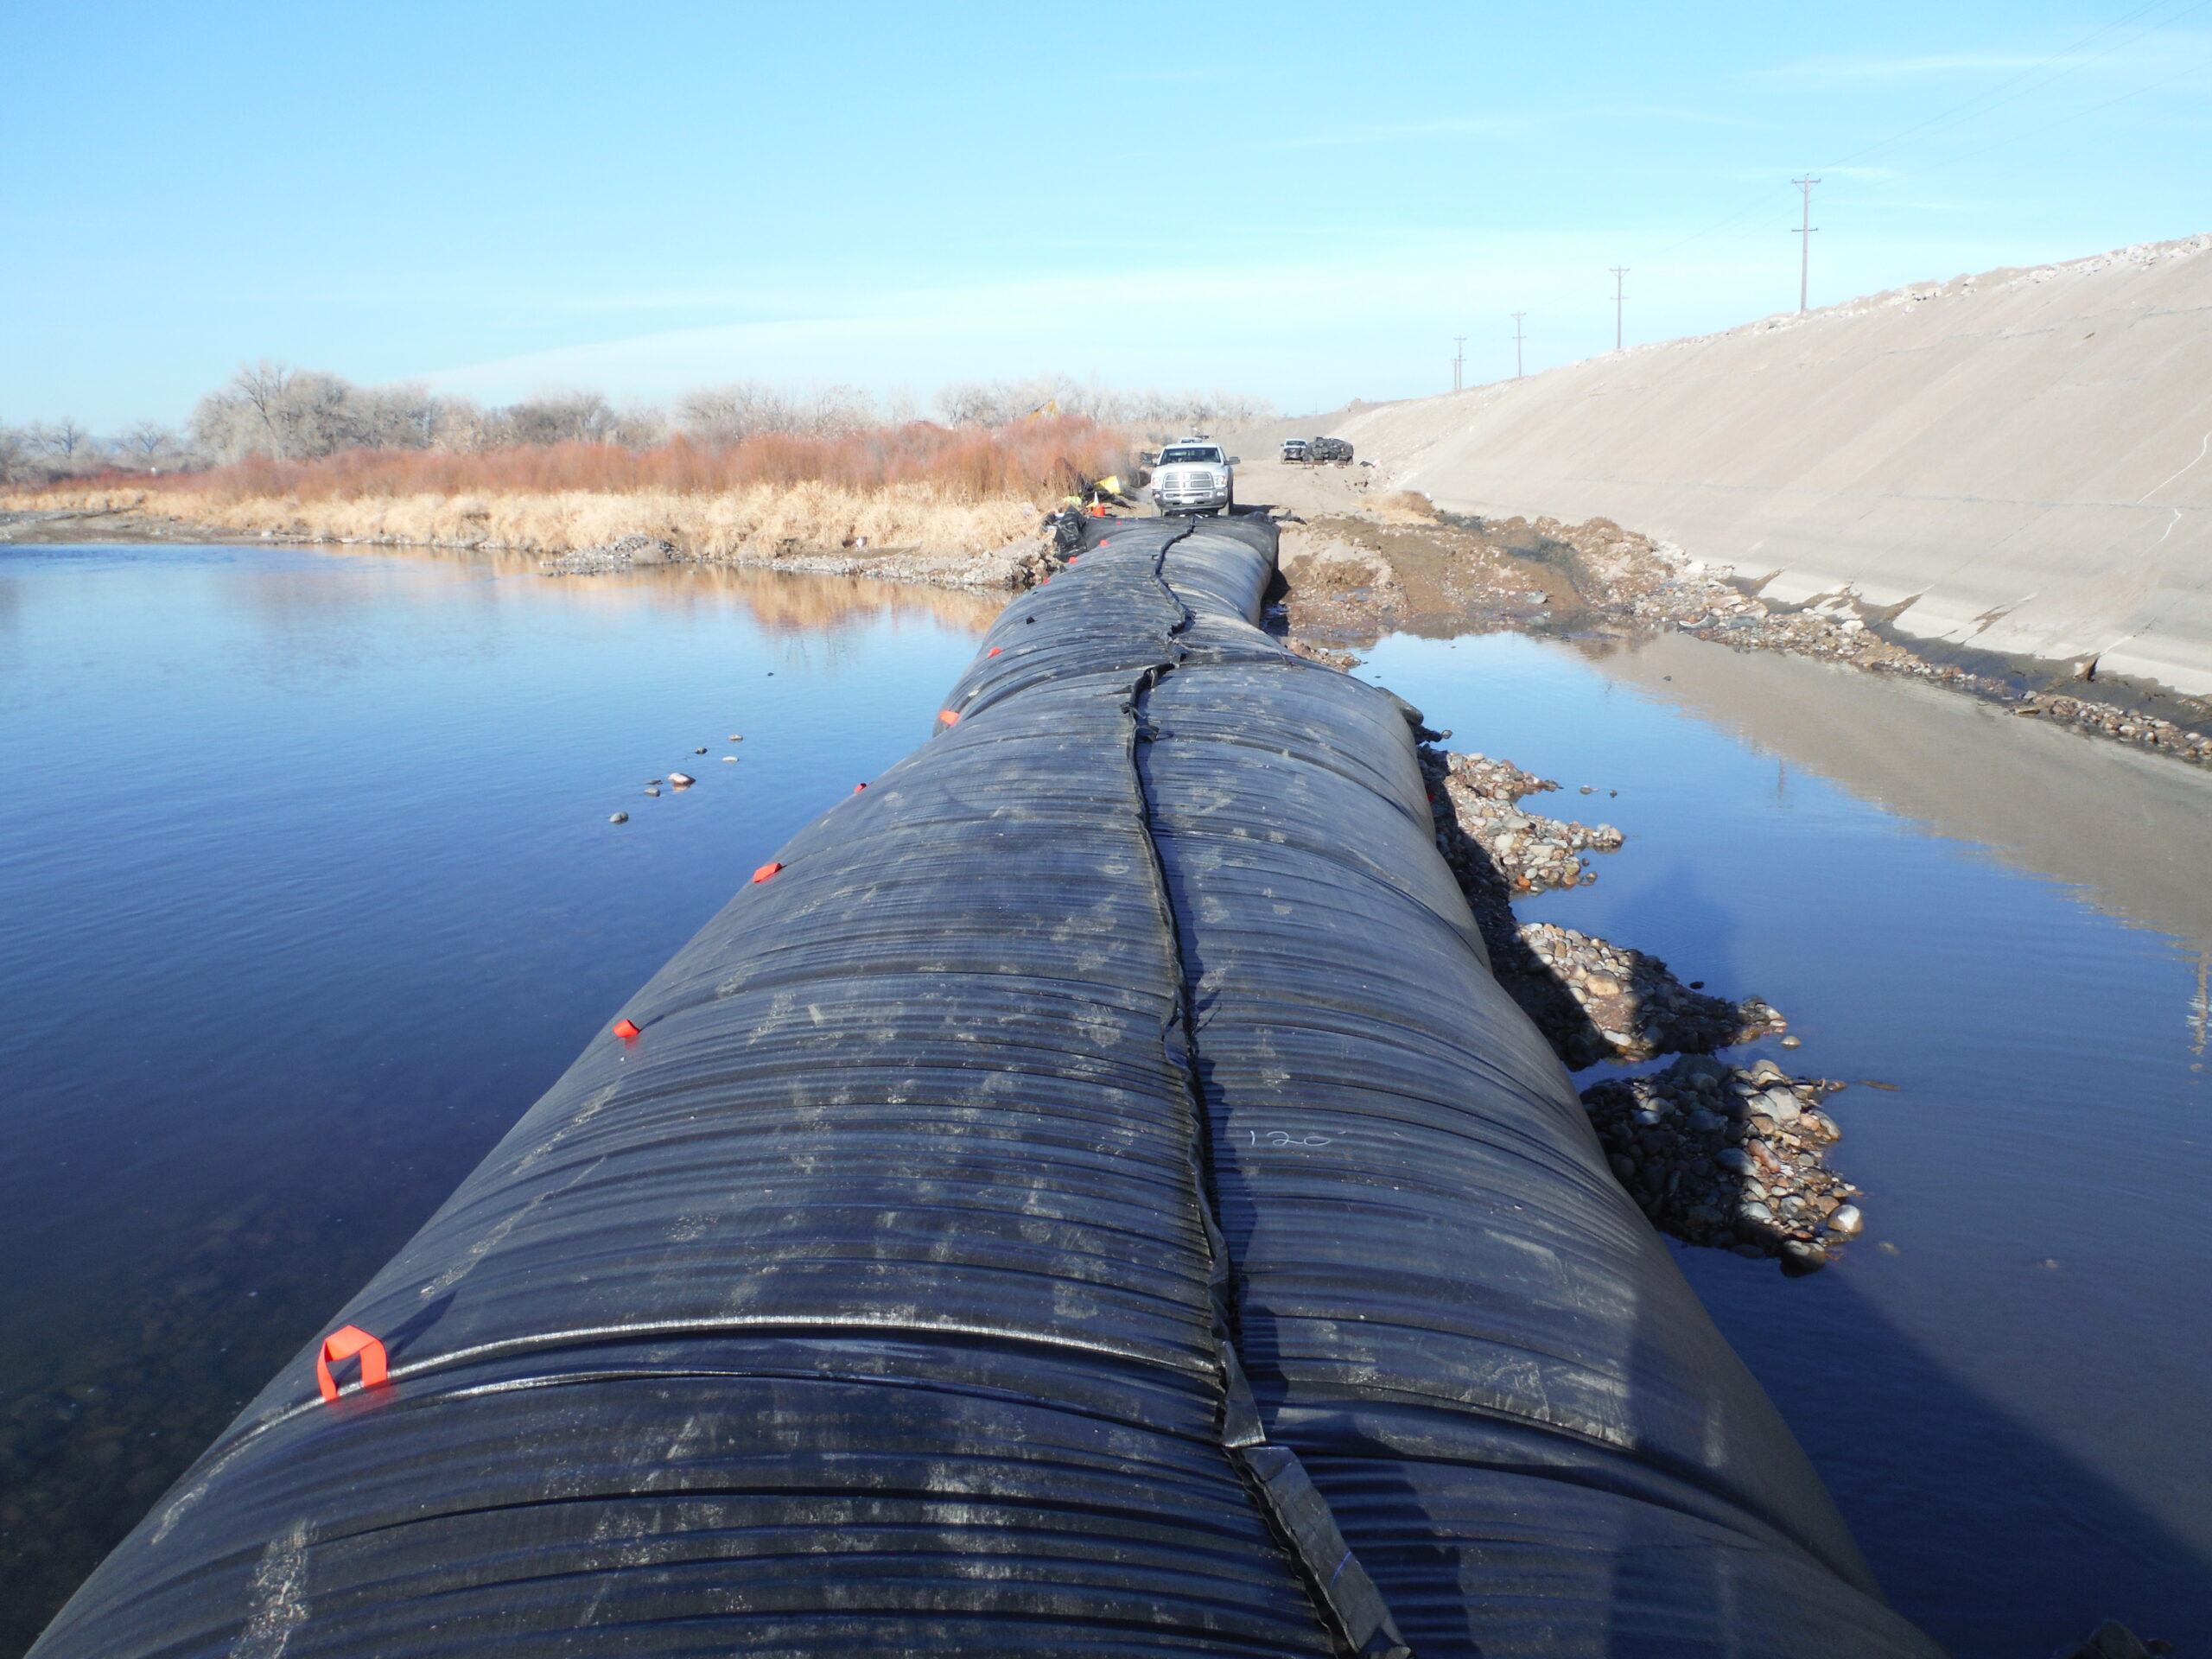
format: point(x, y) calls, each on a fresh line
point(1305, 202)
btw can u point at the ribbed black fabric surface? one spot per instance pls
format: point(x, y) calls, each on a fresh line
point(1092, 1198)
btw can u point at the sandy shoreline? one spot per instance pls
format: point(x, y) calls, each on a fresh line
point(999, 568)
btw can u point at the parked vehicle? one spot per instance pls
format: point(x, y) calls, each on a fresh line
point(1329, 452)
point(1293, 449)
point(1194, 476)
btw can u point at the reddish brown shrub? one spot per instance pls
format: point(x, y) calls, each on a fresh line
point(1032, 459)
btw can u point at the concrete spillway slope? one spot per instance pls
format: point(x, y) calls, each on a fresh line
point(2022, 459)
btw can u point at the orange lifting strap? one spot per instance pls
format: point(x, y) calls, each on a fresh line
point(344, 1344)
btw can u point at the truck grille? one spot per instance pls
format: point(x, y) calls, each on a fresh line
point(1190, 485)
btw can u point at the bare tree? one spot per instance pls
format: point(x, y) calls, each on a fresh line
point(461, 423)
point(560, 417)
point(62, 439)
point(971, 403)
point(728, 414)
point(401, 417)
point(995, 403)
point(286, 413)
point(639, 425)
point(245, 418)
point(148, 439)
point(321, 414)
point(270, 409)
point(262, 388)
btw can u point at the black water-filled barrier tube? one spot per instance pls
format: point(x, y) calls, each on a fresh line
point(1090, 1196)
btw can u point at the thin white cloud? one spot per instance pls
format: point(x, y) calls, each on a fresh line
point(1938, 63)
point(1931, 205)
point(1385, 133)
point(1773, 173)
point(1393, 133)
point(1248, 325)
point(2152, 53)
point(1148, 76)
point(1670, 112)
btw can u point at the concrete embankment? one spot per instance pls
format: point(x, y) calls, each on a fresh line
point(2019, 462)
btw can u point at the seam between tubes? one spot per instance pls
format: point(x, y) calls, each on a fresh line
point(1345, 1601)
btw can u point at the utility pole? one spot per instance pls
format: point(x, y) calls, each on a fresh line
point(1459, 359)
point(1805, 248)
point(1619, 271)
point(1517, 338)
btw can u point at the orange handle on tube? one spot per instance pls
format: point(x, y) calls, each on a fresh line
point(344, 1344)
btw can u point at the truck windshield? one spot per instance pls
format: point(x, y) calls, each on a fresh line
point(1189, 452)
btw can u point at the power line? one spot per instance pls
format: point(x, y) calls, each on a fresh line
point(2075, 115)
point(1757, 204)
point(2058, 66)
point(1805, 259)
point(1619, 273)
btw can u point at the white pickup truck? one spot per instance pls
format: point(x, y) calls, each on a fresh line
point(1193, 476)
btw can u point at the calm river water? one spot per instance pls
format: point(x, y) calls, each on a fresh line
point(309, 891)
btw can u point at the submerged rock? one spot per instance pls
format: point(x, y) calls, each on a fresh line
point(618, 555)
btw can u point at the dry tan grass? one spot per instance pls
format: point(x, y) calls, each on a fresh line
point(758, 521)
point(938, 492)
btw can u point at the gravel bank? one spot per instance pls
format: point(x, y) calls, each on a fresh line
point(1358, 573)
point(1714, 1153)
